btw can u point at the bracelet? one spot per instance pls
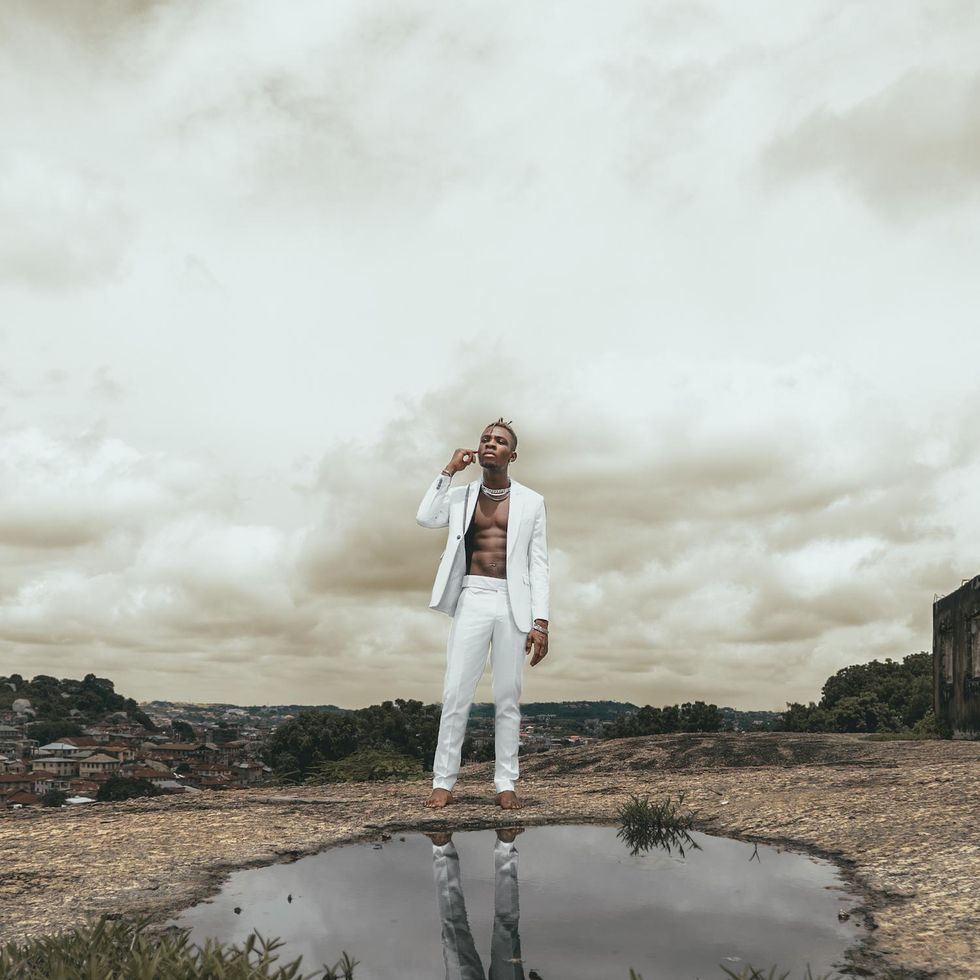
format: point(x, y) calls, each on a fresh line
point(540, 629)
point(447, 473)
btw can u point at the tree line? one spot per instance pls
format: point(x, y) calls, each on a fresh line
point(59, 708)
point(880, 696)
point(691, 716)
point(308, 747)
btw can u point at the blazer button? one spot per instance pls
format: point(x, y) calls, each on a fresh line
point(458, 536)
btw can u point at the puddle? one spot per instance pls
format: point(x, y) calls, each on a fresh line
point(566, 902)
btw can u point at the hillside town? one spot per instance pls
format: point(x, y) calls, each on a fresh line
point(69, 742)
point(195, 747)
point(224, 752)
point(226, 757)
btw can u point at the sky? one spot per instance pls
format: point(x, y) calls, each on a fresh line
point(264, 267)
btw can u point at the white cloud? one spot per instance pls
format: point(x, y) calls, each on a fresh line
point(60, 225)
point(64, 492)
point(907, 150)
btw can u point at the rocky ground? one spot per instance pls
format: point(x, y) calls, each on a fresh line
point(901, 819)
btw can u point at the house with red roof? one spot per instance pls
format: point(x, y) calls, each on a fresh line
point(20, 798)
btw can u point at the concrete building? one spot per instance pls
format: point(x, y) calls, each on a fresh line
point(65, 768)
point(956, 659)
point(63, 749)
point(16, 782)
point(95, 765)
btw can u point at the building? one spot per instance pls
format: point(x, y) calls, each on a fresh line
point(82, 741)
point(124, 753)
point(249, 773)
point(16, 782)
point(16, 746)
point(83, 787)
point(20, 798)
point(150, 775)
point(59, 749)
point(43, 781)
point(956, 660)
point(65, 768)
point(96, 765)
point(183, 750)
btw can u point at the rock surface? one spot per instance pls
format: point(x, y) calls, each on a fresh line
point(901, 819)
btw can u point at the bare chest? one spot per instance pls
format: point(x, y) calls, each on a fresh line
point(490, 515)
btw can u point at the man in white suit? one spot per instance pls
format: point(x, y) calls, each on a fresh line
point(493, 581)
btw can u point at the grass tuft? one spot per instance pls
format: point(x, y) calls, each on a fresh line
point(120, 949)
point(645, 825)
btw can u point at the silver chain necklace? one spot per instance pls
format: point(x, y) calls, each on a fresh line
point(494, 493)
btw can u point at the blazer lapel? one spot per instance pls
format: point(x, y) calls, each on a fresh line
point(514, 514)
point(472, 498)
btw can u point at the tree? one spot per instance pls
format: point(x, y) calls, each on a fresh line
point(804, 718)
point(54, 797)
point(700, 717)
point(117, 788)
point(303, 745)
point(864, 713)
point(182, 731)
point(905, 688)
point(68, 700)
point(474, 751)
point(694, 716)
point(52, 731)
point(879, 696)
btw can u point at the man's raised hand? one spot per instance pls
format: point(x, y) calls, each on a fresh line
point(461, 459)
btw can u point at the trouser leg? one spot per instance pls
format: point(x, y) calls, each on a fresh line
point(466, 659)
point(505, 946)
point(458, 947)
point(508, 671)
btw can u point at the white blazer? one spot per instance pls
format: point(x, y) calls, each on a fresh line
point(527, 547)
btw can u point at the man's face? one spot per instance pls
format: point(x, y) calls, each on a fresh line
point(495, 448)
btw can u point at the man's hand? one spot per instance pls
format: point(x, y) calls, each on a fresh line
point(461, 459)
point(539, 642)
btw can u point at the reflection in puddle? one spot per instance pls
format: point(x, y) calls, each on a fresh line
point(458, 948)
point(582, 908)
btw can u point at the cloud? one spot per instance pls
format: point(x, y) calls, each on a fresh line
point(194, 584)
point(135, 561)
point(66, 492)
point(907, 150)
point(60, 225)
point(105, 386)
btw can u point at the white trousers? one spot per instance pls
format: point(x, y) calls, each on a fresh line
point(483, 619)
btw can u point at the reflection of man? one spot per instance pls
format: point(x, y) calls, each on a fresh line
point(458, 949)
point(493, 581)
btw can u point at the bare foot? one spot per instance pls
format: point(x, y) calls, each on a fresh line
point(508, 800)
point(439, 798)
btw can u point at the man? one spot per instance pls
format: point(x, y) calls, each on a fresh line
point(493, 581)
